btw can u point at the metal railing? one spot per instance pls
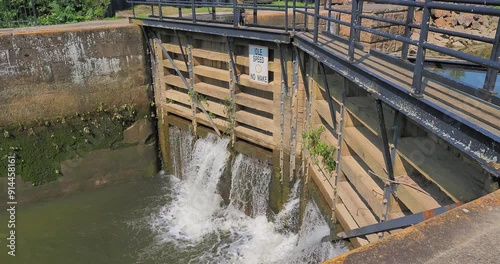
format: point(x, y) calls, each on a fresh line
point(18, 13)
point(234, 11)
point(328, 14)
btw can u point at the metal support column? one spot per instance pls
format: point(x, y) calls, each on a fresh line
point(416, 87)
point(387, 157)
point(233, 79)
point(345, 91)
point(398, 122)
point(295, 87)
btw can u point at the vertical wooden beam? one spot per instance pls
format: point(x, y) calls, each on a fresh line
point(190, 64)
point(283, 93)
point(232, 88)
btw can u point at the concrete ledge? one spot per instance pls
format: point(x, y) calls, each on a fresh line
point(467, 234)
point(75, 27)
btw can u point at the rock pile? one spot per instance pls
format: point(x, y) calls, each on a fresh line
point(473, 24)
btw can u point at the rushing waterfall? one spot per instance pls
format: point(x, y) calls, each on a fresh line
point(200, 224)
point(181, 145)
point(250, 185)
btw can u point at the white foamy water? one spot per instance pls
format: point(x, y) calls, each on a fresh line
point(197, 221)
point(250, 185)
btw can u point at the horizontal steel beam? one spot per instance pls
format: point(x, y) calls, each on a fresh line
point(277, 36)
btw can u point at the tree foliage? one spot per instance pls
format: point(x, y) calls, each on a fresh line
point(49, 12)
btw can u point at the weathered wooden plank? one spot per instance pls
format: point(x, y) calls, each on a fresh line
point(254, 120)
point(244, 79)
point(174, 80)
point(255, 137)
point(181, 65)
point(324, 185)
point(254, 102)
point(371, 192)
point(358, 210)
point(178, 96)
point(367, 146)
point(179, 110)
point(210, 72)
point(450, 173)
point(214, 107)
point(348, 223)
point(211, 90)
point(324, 111)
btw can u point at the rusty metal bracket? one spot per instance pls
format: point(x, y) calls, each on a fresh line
point(390, 224)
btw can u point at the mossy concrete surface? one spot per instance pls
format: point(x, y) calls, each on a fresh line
point(62, 155)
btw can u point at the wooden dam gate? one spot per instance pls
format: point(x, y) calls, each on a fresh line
point(407, 139)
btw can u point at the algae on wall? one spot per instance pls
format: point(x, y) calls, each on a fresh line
point(41, 146)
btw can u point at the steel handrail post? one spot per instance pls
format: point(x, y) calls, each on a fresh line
point(286, 15)
point(409, 20)
point(316, 20)
point(492, 74)
point(416, 87)
point(352, 32)
point(193, 11)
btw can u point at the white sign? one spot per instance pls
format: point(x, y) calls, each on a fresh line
point(258, 56)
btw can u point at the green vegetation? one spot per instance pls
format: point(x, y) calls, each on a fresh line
point(230, 114)
point(318, 149)
point(41, 146)
point(50, 12)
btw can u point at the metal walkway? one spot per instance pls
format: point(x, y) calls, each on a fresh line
point(465, 117)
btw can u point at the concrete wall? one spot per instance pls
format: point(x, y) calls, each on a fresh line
point(59, 70)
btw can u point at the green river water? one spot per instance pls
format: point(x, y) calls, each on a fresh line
point(169, 220)
point(101, 226)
